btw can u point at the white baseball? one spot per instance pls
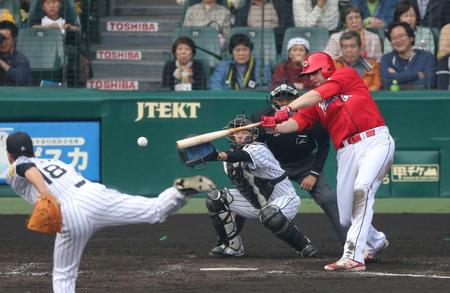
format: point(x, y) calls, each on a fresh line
point(142, 141)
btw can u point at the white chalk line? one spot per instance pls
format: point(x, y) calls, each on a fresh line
point(379, 274)
point(373, 274)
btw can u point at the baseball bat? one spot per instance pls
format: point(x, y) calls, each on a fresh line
point(210, 136)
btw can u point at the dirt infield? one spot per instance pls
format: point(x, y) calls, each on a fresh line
point(168, 257)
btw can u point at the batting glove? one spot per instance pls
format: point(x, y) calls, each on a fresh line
point(282, 114)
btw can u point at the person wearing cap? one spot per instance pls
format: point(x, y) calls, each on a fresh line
point(352, 20)
point(242, 71)
point(302, 155)
point(86, 207)
point(184, 73)
point(290, 69)
point(365, 150)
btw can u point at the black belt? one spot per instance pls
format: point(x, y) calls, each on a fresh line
point(81, 183)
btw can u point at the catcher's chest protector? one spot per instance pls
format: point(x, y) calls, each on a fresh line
point(248, 184)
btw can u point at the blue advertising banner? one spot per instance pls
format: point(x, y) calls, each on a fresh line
point(75, 143)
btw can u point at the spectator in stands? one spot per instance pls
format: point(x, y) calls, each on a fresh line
point(209, 13)
point(434, 13)
point(408, 12)
point(412, 68)
point(53, 14)
point(291, 69)
point(318, 13)
point(242, 71)
point(352, 19)
point(277, 14)
point(376, 13)
point(14, 66)
point(53, 17)
point(443, 55)
point(368, 68)
point(184, 73)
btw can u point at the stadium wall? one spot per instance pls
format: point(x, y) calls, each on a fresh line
point(418, 121)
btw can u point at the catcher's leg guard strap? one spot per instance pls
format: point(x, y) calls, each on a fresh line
point(274, 220)
point(223, 220)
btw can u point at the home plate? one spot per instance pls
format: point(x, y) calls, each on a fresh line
point(228, 269)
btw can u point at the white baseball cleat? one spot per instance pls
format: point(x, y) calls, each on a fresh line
point(226, 251)
point(345, 264)
point(192, 185)
point(370, 256)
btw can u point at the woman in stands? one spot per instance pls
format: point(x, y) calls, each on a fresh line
point(53, 17)
point(242, 70)
point(184, 73)
point(353, 21)
point(408, 12)
point(290, 70)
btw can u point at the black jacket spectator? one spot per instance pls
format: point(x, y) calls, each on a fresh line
point(14, 66)
point(198, 77)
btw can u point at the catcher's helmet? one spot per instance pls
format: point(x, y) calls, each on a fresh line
point(238, 121)
point(319, 61)
point(19, 144)
point(284, 91)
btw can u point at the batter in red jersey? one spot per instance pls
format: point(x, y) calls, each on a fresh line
point(365, 150)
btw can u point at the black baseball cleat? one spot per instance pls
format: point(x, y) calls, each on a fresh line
point(192, 185)
point(308, 250)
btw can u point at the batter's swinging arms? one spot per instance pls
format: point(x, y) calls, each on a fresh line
point(86, 207)
point(343, 104)
point(262, 191)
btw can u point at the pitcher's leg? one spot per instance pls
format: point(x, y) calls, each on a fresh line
point(69, 246)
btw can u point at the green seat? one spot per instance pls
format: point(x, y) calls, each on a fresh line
point(45, 51)
point(67, 11)
point(204, 37)
point(317, 37)
point(14, 8)
point(263, 40)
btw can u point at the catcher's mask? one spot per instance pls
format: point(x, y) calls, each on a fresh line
point(284, 91)
point(238, 121)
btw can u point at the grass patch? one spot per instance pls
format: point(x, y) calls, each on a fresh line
point(14, 205)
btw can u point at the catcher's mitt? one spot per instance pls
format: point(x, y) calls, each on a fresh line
point(198, 154)
point(46, 216)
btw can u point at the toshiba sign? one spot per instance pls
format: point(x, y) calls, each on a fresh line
point(113, 85)
point(131, 26)
point(119, 55)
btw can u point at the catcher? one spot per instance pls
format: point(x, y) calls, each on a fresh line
point(74, 208)
point(262, 191)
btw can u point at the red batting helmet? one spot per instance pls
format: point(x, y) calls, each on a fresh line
point(319, 61)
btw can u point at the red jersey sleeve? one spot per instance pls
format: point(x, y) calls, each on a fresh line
point(328, 89)
point(305, 117)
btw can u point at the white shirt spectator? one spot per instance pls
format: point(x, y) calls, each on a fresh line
point(48, 22)
point(305, 15)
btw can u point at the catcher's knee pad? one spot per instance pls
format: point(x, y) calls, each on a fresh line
point(217, 200)
point(273, 219)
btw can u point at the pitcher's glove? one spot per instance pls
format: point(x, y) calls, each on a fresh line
point(46, 216)
point(198, 154)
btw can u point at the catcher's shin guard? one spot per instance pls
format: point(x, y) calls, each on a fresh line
point(223, 220)
point(274, 220)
